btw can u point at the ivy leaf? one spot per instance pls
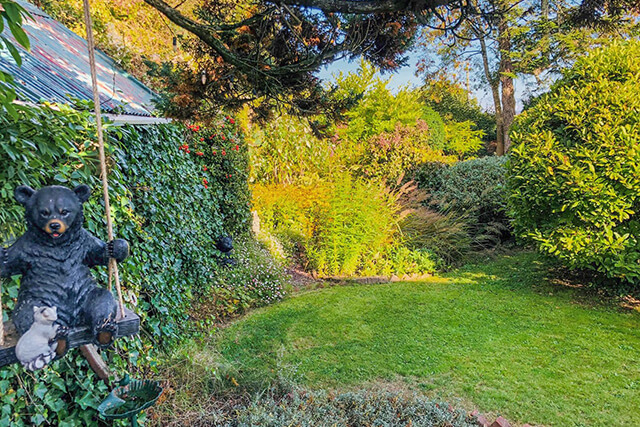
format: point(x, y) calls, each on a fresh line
point(40, 390)
point(86, 401)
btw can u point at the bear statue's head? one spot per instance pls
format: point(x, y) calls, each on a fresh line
point(55, 211)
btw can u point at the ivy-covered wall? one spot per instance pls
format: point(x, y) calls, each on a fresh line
point(170, 203)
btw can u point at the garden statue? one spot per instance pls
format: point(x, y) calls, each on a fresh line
point(38, 346)
point(225, 245)
point(54, 256)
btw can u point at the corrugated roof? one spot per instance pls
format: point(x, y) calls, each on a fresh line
point(58, 68)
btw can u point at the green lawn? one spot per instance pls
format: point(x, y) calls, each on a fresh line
point(495, 335)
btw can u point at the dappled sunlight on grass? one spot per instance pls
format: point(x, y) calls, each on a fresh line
point(494, 333)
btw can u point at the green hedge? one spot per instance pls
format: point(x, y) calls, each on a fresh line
point(164, 203)
point(475, 190)
point(574, 172)
point(476, 185)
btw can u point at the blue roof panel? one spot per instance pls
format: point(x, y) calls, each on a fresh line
point(57, 68)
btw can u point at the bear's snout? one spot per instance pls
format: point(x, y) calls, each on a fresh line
point(55, 228)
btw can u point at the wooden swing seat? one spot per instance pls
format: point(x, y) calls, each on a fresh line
point(128, 326)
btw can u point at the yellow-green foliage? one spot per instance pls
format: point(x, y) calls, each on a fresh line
point(286, 151)
point(380, 111)
point(388, 156)
point(290, 212)
point(344, 227)
point(359, 221)
point(461, 139)
point(574, 172)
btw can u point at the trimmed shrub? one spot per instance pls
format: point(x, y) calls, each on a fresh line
point(574, 170)
point(299, 407)
point(476, 185)
point(473, 189)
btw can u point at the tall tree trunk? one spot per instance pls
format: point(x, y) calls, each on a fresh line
point(494, 83)
point(544, 8)
point(506, 80)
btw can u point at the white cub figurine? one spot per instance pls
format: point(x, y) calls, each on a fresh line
point(36, 347)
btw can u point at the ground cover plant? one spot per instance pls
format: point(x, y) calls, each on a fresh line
point(296, 406)
point(497, 334)
point(573, 174)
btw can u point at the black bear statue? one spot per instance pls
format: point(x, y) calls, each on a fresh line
point(54, 257)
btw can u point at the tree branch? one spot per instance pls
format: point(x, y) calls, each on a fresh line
point(203, 32)
point(206, 34)
point(367, 6)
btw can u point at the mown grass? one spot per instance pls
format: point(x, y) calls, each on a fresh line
point(495, 335)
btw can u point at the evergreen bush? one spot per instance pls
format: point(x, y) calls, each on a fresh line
point(474, 191)
point(574, 171)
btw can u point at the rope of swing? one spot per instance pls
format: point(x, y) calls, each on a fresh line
point(113, 265)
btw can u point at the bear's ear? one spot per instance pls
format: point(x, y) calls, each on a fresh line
point(35, 308)
point(83, 192)
point(23, 193)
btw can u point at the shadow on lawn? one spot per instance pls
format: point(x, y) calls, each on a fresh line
point(534, 272)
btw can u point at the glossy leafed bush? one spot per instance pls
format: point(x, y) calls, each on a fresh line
point(574, 170)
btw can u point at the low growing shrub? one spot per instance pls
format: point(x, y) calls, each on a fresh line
point(301, 407)
point(255, 280)
point(573, 174)
point(472, 189)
